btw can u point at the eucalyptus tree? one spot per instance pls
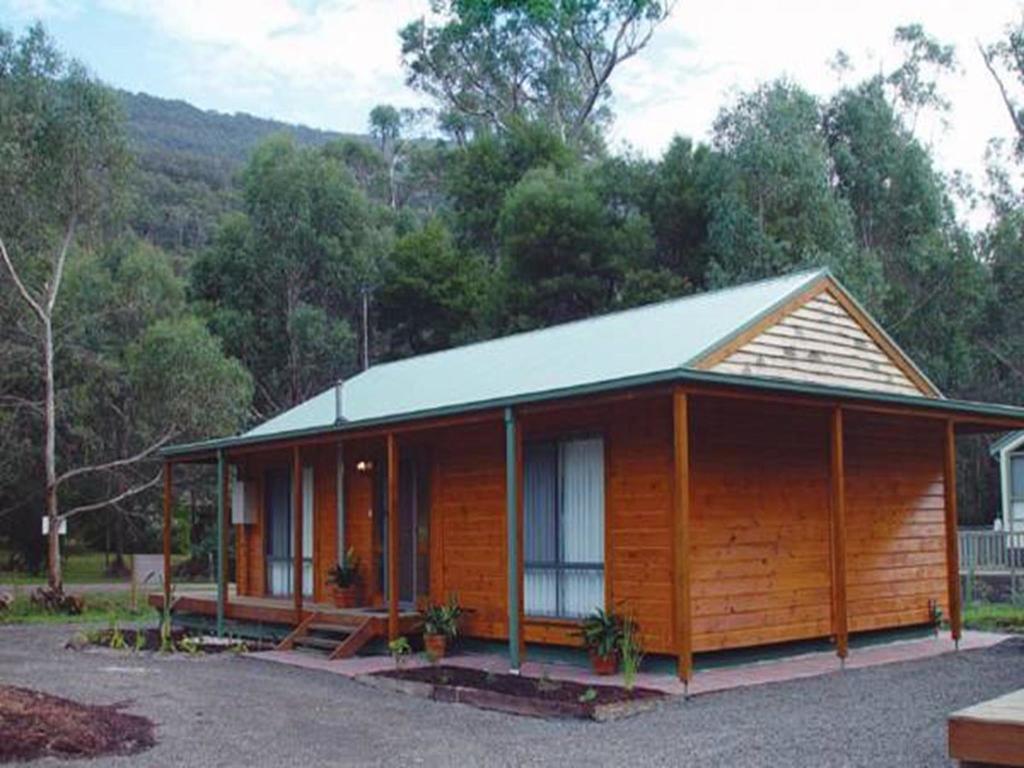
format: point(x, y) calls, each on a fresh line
point(66, 372)
point(499, 62)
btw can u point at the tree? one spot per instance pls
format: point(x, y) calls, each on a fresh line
point(1005, 62)
point(772, 208)
point(503, 62)
point(558, 251)
point(431, 296)
point(385, 125)
point(282, 281)
point(62, 152)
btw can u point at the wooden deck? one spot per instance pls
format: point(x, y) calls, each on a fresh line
point(989, 733)
point(273, 610)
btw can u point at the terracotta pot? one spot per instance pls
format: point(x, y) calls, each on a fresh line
point(346, 597)
point(604, 665)
point(435, 645)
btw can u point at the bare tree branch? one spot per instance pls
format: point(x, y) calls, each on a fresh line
point(25, 294)
point(118, 462)
point(987, 58)
point(115, 499)
point(58, 267)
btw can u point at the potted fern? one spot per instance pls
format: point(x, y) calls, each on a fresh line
point(440, 625)
point(344, 580)
point(602, 637)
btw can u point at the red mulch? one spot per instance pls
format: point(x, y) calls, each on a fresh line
point(523, 687)
point(34, 725)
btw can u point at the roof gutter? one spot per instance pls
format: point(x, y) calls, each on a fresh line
point(964, 408)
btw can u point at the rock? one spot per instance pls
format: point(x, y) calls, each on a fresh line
point(6, 601)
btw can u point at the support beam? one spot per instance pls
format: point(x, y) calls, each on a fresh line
point(392, 537)
point(681, 503)
point(168, 501)
point(837, 529)
point(952, 546)
point(222, 545)
point(512, 541)
point(297, 533)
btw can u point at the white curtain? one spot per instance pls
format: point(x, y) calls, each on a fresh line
point(582, 525)
point(307, 530)
point(563, 527)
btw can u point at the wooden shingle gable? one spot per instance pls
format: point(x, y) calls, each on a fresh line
point(820, 336)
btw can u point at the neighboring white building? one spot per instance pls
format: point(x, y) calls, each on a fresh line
point(1009, 450)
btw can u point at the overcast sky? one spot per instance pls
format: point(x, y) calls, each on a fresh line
point(327, 63)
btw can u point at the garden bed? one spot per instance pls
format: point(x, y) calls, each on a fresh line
point(150, 639)
point(35, 725)
point(536, 697)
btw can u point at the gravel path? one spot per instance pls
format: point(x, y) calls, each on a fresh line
point(229, 711)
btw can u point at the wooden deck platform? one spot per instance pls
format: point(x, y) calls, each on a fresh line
point(275, 610)
point(989, 733)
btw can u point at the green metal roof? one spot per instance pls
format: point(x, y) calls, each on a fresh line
point(656, 337)
point(654, 343)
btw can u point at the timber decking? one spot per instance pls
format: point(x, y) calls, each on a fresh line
point(991, 732)
point(269, 610)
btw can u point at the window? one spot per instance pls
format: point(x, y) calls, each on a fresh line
point(563, 527)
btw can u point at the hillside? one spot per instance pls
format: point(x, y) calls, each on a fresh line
point(187, 158)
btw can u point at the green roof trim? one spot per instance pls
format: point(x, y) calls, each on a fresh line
point(1010, 440)
point(682, 376)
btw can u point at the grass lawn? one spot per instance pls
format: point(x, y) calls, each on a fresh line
point(79, 568)
point(103, 607)
point(994, 617)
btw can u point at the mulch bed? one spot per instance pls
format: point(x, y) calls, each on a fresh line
point(540, 697)
point(35, 725)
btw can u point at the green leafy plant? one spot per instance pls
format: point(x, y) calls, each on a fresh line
point(190, 645)
point(399, 649)
point(442, 619)
point(346, 573)
point(602, 633)
point(587, 696)
point(140, 640)
point(545, 683)
point(632, 651)
point(116, 641)
point(166, 636)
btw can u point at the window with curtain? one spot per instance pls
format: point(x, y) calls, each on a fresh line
point(563, 527)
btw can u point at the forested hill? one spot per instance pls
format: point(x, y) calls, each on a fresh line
point(173, 126)
point(187, 158)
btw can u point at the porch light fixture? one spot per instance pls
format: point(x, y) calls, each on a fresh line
point(364, 466)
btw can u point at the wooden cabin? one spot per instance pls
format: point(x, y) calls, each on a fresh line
point(754, 465)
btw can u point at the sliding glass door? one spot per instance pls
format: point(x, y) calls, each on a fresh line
point(563, 527)
point(280, 532)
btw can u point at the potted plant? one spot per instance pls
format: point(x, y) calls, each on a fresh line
point(440, 625)
point(602, 637)
point(344, 580)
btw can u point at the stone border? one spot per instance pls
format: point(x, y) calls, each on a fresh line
point(514, 705)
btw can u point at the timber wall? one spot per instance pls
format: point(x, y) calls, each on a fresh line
point(760, 554)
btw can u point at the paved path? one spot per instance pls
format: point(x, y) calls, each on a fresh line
point(231, 711)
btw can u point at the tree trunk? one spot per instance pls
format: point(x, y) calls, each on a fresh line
point(54, 574)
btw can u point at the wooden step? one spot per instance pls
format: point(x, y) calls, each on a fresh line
point(363, 634)
point(336, 629)
point(312, 641)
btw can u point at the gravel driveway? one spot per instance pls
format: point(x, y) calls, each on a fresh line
point(219, 711)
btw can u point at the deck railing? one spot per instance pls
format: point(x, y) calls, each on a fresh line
point(986, 551)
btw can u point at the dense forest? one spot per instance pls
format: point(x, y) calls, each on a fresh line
point(218, 268)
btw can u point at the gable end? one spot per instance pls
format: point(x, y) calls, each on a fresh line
point(822, 337)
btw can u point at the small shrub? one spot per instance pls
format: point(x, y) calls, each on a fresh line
point(588, 696)
point(632, 652)
point(399, 649)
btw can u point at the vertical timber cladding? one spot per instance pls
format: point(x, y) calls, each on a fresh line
point(468, 503)
point(325, 517)
point(360, 512)
point(760, 569)
point(638, 510)
point(895, 541)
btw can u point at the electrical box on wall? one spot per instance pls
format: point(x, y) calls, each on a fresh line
point(243, 503)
